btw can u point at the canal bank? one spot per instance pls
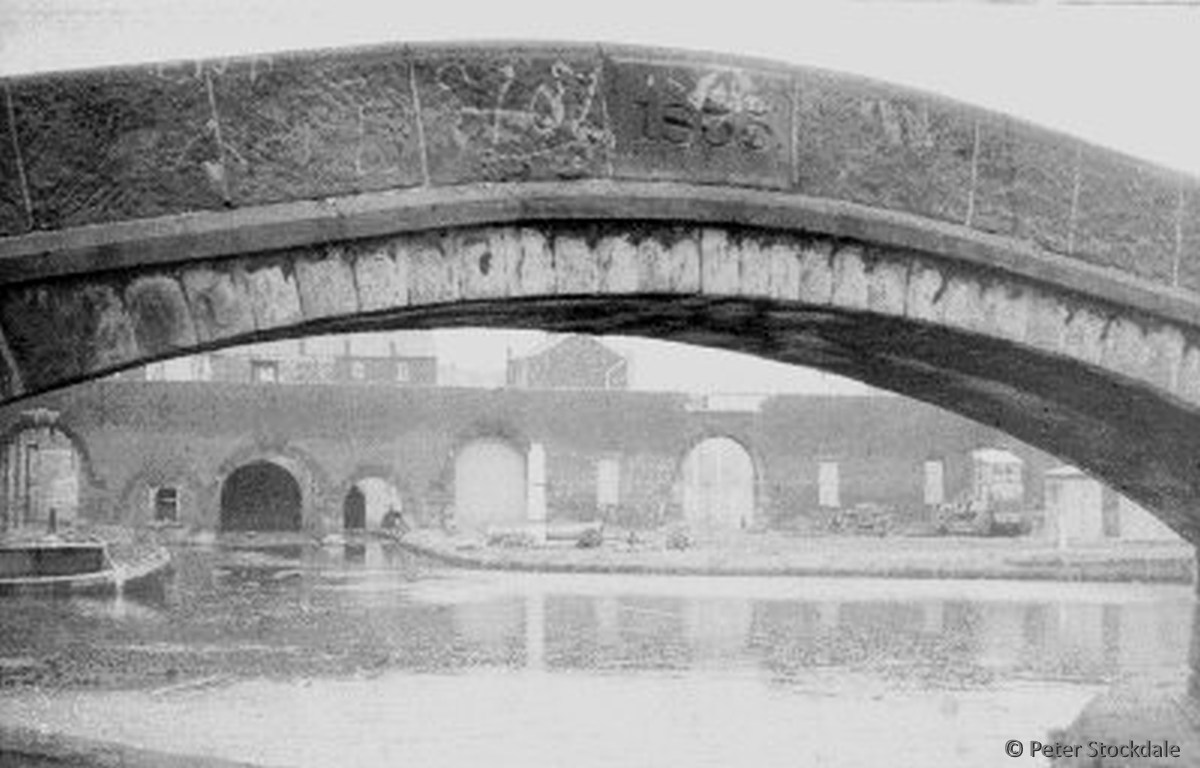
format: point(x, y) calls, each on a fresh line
point(770, 554)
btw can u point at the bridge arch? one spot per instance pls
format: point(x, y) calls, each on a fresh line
point(1018, 277)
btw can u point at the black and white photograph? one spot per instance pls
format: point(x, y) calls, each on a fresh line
point(618, 385)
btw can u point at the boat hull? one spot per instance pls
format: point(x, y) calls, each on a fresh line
point(112, 577)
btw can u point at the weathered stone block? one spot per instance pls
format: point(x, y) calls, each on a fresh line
point(273, 296)
point(849, 278)
point(693, 122)
point(1166, 345)
point(618, 257)
point(535, 271)
point(326, 285)
point(883, 146)
point(1084, 337)
point(962, 304)
point(1127, 215)
point(161, 318)
point(816, 273)
point(1025, 183)
point(720, 264)
point(1047, 325)
point(11, 385)
point(487, 262)
point(925, 287)
point(785, 271)
point(14, 217)
point(1125, 349)
point(66, 332)
point(887, 287)
point(307, 125)
point(381, 276)
point(577, 268)
point(670, 266)
point(754, 268)
point(512, 114)
point(433, 276)
point(220, 302)
point(1188, 267)
point(1007, 310)
point(1188, 385)
point(118, 144)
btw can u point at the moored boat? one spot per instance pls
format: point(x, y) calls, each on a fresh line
point(51, 563)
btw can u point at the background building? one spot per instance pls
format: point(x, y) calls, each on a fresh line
point(401, 358)
point(569, 362)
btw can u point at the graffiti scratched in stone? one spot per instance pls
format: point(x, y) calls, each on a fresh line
point(516, 118)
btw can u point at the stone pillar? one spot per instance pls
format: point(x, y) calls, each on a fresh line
point(535, 491)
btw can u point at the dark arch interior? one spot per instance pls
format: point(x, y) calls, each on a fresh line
point(354, 510)
point(260, 497)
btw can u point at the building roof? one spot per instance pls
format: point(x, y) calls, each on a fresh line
point(996, 456)
point(1066, 471)
point(553, 340)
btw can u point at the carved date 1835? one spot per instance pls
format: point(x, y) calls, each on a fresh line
point(705, 118)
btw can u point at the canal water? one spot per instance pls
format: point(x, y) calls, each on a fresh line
point(365, 655)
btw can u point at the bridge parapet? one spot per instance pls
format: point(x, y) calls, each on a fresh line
point(174, 140)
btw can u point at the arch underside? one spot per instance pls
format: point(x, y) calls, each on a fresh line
point(1111, 390)
point(1143, 444)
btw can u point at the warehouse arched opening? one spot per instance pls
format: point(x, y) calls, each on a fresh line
point(717, 485)
point(371, 503)
point(43, 474)
point(260, 496)
point(489, 484)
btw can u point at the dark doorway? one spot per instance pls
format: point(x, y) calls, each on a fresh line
point(260, 497)
point(354, 510)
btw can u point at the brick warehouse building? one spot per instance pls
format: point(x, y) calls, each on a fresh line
point(172, 451)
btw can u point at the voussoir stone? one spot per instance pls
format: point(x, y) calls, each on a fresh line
point(618, 257)
point(849, 278)
point(160, 313)
point(274, 297)
point(220, 302)
point(720, 264)
point(535, 268)
point(326, 285)
point(381, 276)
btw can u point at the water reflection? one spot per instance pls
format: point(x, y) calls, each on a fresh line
point(1085, 660)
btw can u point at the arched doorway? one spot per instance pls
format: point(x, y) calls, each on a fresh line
point(367, 503)
point(354, 510)
point(718, 485)
point(41, 475)
point(489, 484)
point(261, 496)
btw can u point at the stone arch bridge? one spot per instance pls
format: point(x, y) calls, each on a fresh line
point(1016, 276)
